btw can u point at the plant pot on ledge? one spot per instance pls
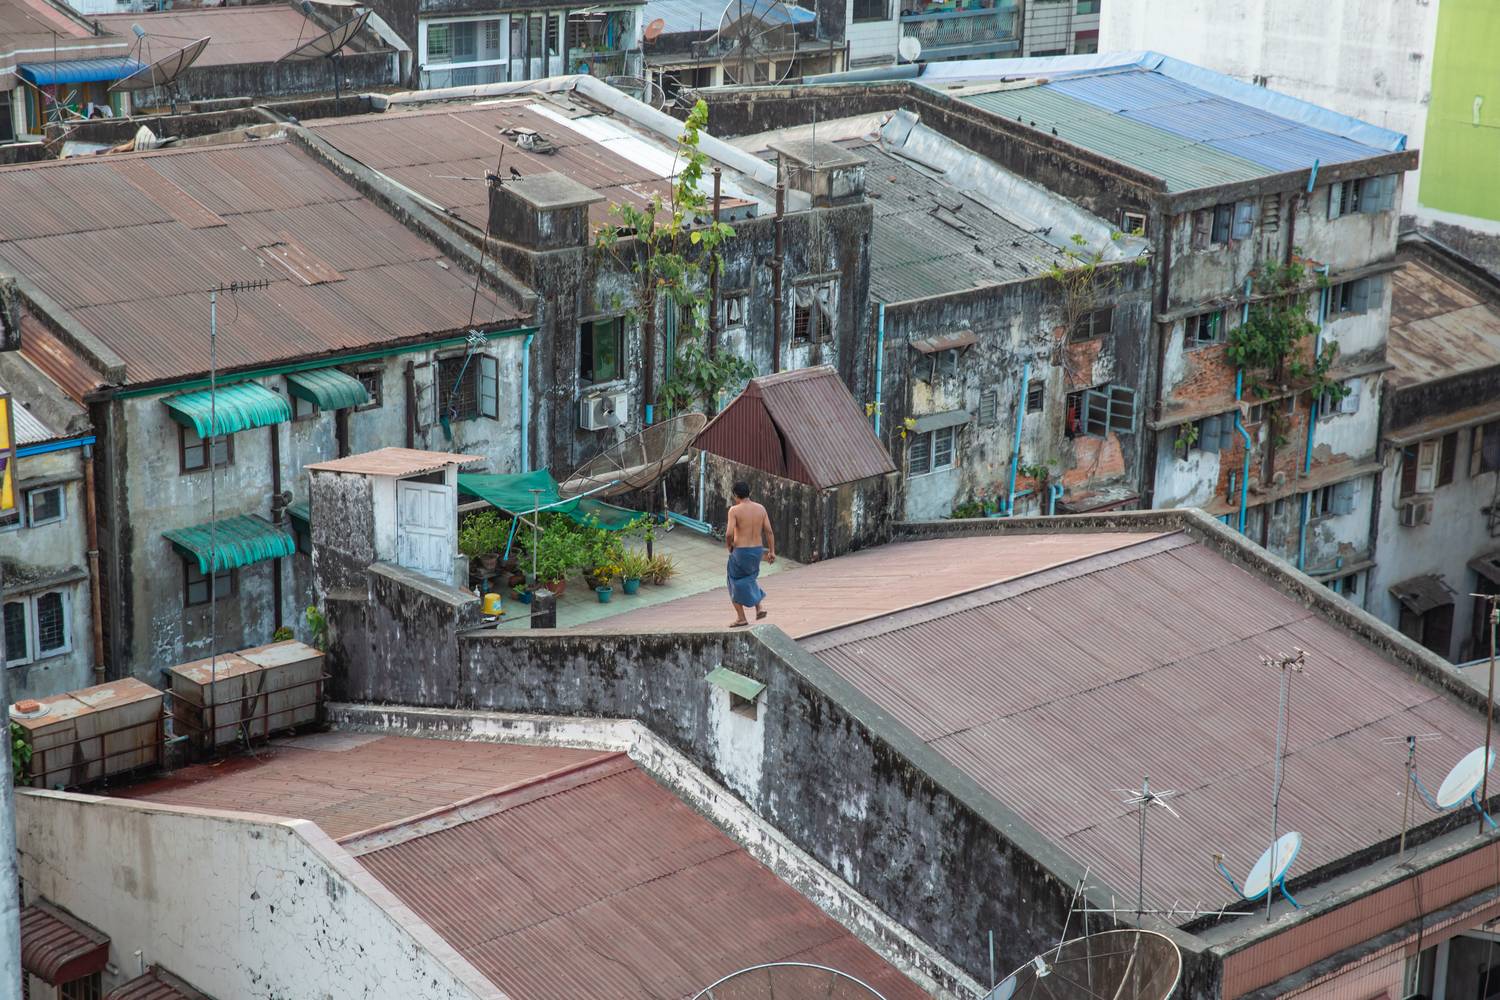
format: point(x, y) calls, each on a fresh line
point(632, 584)
point(605, 593)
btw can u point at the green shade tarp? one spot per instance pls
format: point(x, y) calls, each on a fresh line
point(513, 495)
point(236, 407)
point(328, 388)
point(237, 541)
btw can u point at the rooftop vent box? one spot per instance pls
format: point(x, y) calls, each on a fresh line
point(830, 174)
point(82, 736)
point(248, 695)
point(541, 211)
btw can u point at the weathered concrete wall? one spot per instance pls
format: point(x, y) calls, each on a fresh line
point(239, 905)
point(357, 71)
point(195, 124)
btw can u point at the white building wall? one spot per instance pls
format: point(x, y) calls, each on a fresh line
point(239, 905)
point(873, 43)
point(1368, 60)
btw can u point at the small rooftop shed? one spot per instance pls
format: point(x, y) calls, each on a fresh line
point(806, 449)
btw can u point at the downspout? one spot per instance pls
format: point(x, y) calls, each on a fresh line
point(1054, 494)
point(411, 404)
point(1159, 339)
point(275, 430)
point(91, 521)
point(1015, 454)
point(713, 278)
point(879, 362)
point(777, 309)
point(1312, 413)
point(526, 402)
point(1239, 422)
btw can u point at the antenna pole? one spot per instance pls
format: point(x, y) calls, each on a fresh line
point(1411, 769)
point(776, 267)
point(213, 515)
point(1140, 877)
point(1287, 665)
point(1489, 712)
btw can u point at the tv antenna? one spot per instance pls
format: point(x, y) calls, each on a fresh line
point(1409, 777)
point(1493, 600)
point(329, 45)
point(1119, 964)
point(751, 34)
point(791, 979)
point(1143, 799)
point(161, 74)
point(1463, 784)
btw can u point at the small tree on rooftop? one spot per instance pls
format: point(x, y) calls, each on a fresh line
point(668, 247)
point(1083, 278)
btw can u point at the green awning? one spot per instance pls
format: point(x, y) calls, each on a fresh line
point(746, 687)
point(237, 541)
point(300, 513)
point(237, 407)
point(329, 388)
point(513, 495)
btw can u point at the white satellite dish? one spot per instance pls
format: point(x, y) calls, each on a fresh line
point(909, 48)
point(1461, 785)
point(1269, 872)
point(1120, 965)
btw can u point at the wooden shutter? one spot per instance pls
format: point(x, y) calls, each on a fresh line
point(1335, 208)
point(1096, 412)
point(1121, 409)
point(1210, 436)
point(1427, 466)
point(1244, 219)
point(1350, 403)
point(1343, 497)
point(1447, 457)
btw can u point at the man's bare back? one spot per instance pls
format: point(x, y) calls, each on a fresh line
point(750, 526)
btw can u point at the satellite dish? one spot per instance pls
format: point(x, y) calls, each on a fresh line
point(1269, 872)
point(757, 40)
point(1461, 785)
point(641, 88)
point(789, 979)
point(329, 43)
point(637, 462)
point(654, 29)
point(1120, 965)
point(909, 48)
point(164, 71)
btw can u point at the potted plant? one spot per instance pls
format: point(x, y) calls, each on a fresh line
point(601, 555)
point(482, 536)
point(560, 550)
point(635, 566)
point(663, 568)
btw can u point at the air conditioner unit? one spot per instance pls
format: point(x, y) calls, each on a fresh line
point(1415, 512)
point(599, 413)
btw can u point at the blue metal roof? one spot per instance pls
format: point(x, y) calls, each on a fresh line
point(693, 16)
point(79, 70)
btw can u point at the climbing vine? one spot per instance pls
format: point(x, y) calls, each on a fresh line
point(675, 244)
point(1084, 278)
point(1269, 344)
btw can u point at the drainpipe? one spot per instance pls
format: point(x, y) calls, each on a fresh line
point(275, 430)
point(526, 402)
point(1015, 454)
point(713, 277)
point(778, 310)
point(91, 522)
point(411, 404)
point(1054, 494)
point(1312, 412)
point(1239, 422)
point(1159, 338)
point(879, 362)
point(702, 479)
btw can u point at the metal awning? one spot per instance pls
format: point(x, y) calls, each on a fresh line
point(236, 541)
point(79, 70)
point(236, 407)
point(1487, 566)
point(746, 687)
point(1421, 594)
point(950, 342)
point(937, 421)
point(58, 948)
point(329, 388)
point(300, 512)
point(155, 983)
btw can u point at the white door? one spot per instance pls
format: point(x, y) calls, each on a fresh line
point(424, 529)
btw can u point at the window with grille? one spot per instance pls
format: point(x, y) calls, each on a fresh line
point(193, 450)
point(374, 384)
point(51, 624)
point(601, 351)
point(1362, 195)
point(17, 634)
point(735, 308)
point(36, 627)
point(1204, 329)
point(930, 451)
point(195, 586)
point(813, 311)
point(1096, 323)
point(87, 988)
point(44, 506)
point(468, 387)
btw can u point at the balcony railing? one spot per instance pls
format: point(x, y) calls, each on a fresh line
point(475, 75)
point(936, 28)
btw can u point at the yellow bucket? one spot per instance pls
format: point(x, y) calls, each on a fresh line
point(492, 604)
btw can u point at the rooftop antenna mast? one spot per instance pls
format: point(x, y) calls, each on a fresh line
point(1409, 778)
point(1493, 600)
point(1287, 665)
point(1143, 799)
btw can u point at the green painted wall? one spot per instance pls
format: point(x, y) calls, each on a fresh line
point(1461, 159)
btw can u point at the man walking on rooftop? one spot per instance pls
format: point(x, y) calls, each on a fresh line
point(749, 538)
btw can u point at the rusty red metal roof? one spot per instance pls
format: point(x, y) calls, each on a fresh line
point(802, 425)
point(1053, 690)
point(261, 33)
point(187, 220)
point(32, 30)
point(156, 984)
point(58, 947)
point(602, 883)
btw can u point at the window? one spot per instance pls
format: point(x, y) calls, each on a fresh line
point(195, 589)
point(1087, 7)
point(192, 450)
point(989, 407)
point(813, 311)
point(1447, 455)
point(1428, 464)
point(1257, 413)
point(1335, 499)
point(1098, 411)
point(1360, 295)
point(1348, 585)
point(491, 39)
point(1329, 407)
point(870, 10)
point(1132, 223)
point(1204, 329)
point(930, 451)
point(374, 382)
point(1208, 434)
point(1222, 223)
point(1086, 42)
point(303, 409)
point(1366, 194)
point(1278, 508)
point(7, 125)
point(44, 506)
point(1095, 324)
point(36, 627)
point(1484, 454)
point(601, 351)
point(1036, 396)
point(734, 308)
point(303, 536)
point(1433, 628)
point(468, 387)
point(87, 988)
point(439, 43)
point(742, 706)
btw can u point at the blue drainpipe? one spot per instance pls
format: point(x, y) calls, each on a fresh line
point(879, 362)
point(1015, 455)
point(526, 402)
point(1312, 422)
point(1054, 494)
point(1239, 422)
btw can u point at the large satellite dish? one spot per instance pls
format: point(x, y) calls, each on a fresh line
point(330, 42)
point(164, 71)
point(757, 40)
point(643, 89)
point(637, 462)
point(789, 979)
point(1461, 785)
point(1115, 965)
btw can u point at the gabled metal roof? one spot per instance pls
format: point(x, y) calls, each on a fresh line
point(232, 542)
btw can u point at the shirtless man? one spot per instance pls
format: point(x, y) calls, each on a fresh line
point(749, 538)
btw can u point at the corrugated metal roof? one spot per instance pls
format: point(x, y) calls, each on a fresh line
point(1037, 692)
point(1439, 326)
point(49, 74)
point(611, 887)
point(58, 947)
point(684, 16)
point(30, 30)
point(85, 215)
point(156, 984)
point(28, 429)
point(394, 462)
point(253, 34)
point(228, 409)
point(802, 425)
point(232, 542)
